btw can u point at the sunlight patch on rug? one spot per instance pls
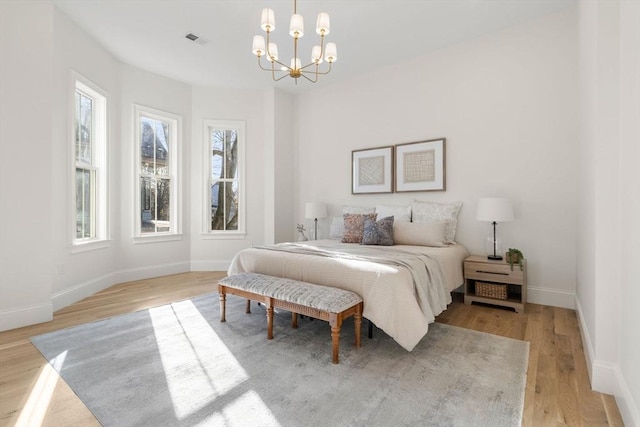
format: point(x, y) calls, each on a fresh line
point(186, 344)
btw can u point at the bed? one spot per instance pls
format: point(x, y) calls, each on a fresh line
point(404, 287)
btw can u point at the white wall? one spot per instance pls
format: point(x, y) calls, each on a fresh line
point(608, 238)
point(284, 170)
point(26, 98)
point(506, 103)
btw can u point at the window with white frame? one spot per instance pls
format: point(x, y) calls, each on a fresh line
point(90, 163)
point(157, 147)
point(224, 151)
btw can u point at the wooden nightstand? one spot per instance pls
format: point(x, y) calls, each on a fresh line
point(482, 274)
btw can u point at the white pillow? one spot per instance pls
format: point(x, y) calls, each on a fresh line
point(399, 213)
point(420, 233)
point(357, 210)
point(336, 229)
point(432, 212)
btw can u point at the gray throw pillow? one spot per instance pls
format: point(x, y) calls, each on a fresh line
point(378, 232)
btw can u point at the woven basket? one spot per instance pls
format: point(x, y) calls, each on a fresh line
point(491, 290)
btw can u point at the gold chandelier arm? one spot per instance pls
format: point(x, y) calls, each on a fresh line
point(319, 72)
point(273, 76)
point(312, 81)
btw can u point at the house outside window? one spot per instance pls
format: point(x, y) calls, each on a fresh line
point(157, 147)
point(89, 132)
point(224, 151)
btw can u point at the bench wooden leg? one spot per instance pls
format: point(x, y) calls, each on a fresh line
point(248, 310)
point(357, 321)
point(269, 304)
point(335, 320)
point(223, 301)
point(294, 320)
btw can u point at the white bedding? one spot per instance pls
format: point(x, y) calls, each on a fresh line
point(403, 287)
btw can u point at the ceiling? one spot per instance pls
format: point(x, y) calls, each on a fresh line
point(150, 34)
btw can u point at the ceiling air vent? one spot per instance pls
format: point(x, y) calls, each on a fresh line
point(196, 39)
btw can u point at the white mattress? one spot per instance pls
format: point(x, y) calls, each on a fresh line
point(393, 299)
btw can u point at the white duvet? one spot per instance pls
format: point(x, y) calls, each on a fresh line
point(403, 287)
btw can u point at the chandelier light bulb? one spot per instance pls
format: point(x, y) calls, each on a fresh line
point(322, 24)
point(258, 45)
point(268, 20)
point(296, 27)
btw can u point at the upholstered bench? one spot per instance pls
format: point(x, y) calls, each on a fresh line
point(321, 302)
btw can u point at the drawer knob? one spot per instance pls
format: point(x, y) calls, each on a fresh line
point(492, 272)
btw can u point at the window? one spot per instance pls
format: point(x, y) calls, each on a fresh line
point(224, 147)
point(90, 159)
point(157, 164)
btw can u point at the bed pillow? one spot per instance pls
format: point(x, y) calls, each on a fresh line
point(357, 210)
point(354, 227)
point(336, 229)
point(378, 232)
point(432, 212)
point(399, 213)
point(420, 233)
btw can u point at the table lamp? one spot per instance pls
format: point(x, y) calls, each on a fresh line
point(495, 210)
point(315, 210)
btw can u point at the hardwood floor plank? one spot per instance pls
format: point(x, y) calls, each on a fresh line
point(568, 410)
point(557, 391)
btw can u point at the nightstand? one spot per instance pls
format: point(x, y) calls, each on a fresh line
point(493, 282)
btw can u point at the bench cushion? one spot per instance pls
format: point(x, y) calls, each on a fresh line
point(325, 298)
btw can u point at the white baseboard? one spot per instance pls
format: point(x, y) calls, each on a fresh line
point(85, 289)
point(80, 291)
point(24, 316)
point(605, 377)
point(151, 271)
point(219, 265)
point(552, 297)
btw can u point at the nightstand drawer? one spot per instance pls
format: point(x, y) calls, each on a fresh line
point(493, 272)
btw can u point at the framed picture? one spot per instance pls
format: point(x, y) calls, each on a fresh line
point(420, 166)
point(372, 170)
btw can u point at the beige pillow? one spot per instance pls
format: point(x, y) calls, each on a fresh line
point(420, 233)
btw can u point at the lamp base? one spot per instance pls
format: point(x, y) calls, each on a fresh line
point(495, 257)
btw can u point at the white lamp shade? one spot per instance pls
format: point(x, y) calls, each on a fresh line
point(268, 20)
point(296, 27)
point(296, 64)
point(494, 209)
point(331, 52)
point(316, 55)
point(322, 24)
point(273, 52)
point(313, 210)
point(258, 45)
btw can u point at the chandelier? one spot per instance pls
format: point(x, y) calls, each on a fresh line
point(319, 53)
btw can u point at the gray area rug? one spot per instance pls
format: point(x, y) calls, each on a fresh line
point(178, 365)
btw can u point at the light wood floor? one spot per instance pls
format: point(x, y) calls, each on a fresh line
point(557, 392)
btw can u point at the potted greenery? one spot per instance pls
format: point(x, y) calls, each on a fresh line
point(514, 256)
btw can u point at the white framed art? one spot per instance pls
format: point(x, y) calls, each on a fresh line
point(420, 166)
point(372, 170)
